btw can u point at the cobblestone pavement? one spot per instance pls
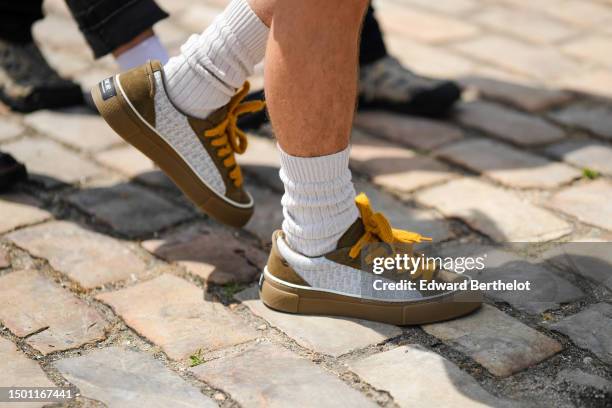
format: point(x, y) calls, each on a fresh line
point(103, 263)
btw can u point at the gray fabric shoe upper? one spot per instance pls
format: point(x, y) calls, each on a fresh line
point(389, 79)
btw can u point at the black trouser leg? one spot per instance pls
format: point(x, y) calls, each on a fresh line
point(108, 24)
point(16, 19)
point(372, 46)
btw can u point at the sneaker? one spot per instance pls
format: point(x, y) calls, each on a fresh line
point(11, 171)
point(197, 154)
point(339, 283)
point(386, 84)
point(28, 83)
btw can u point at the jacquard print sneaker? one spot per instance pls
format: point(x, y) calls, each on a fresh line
point(197, 154)
point(386, 84)
point(343, 282)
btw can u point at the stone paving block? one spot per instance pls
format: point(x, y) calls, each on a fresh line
point(395, 167)
point(525, 24)
point(4, 259)
point(16, 369)
point(173, 35)
point(584, 154)
point(498, 342)
point(51, 317)
point(333, 336)
point(395, 371)
point(262, 161)
point(50, 163)
point(590, 329)
point(540, 63)
point(268, 215)
point(75, 127)
point(425, 222)
point(129, 209)
point(495, 212)
point(61, 32)
point(579, 12)
point(199, 16)
point(423, 134)
point(65, 62)
point(9, 130)
point(272, 376)
point(511, 126)
point(594, 118)
point(507, 165)
point(595, 82)
point(582, 382)
point(531, 98)
point(175, 315)
point(89, 258)
point(547, 289)
point(429, 60)
point(18, 210)
point(586, 256)
point(125, 378)
point(127, 160)
point(589, 202)
point(594, 48)
point(422, 25)
point(445, 6)
point(211, 252)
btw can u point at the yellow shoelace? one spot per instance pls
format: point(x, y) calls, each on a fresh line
point(378, 228)
point(228, 137)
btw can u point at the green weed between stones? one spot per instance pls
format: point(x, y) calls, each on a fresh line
point(197, 358)
point(590, 173)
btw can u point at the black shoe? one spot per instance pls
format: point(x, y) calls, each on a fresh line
point(387, 85)
point(254, 121)
point(28, 83)
point(11, 171)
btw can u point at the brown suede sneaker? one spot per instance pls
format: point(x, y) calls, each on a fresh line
point(197, 154)
point(344, 282)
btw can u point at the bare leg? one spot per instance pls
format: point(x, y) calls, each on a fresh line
point(311, 73)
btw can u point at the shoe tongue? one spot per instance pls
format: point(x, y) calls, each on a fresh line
point(352, 234)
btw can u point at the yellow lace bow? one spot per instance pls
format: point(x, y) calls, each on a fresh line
point(228, 137)
point(377, 228)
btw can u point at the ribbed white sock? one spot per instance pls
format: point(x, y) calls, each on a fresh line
point(149, 49)
point(213, 65)
point(319, 201)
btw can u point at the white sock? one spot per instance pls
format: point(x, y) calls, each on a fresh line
point(319, 201)
point(213, 65)
point(149, 49)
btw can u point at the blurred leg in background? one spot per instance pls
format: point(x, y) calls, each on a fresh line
point(384, 83)
point(121, 28)
point(28, 83)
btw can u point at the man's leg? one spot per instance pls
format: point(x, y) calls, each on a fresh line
point(123, 29)
point(311, 88)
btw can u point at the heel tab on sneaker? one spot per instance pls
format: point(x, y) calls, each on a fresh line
point(155, 65)
point(279, 267)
